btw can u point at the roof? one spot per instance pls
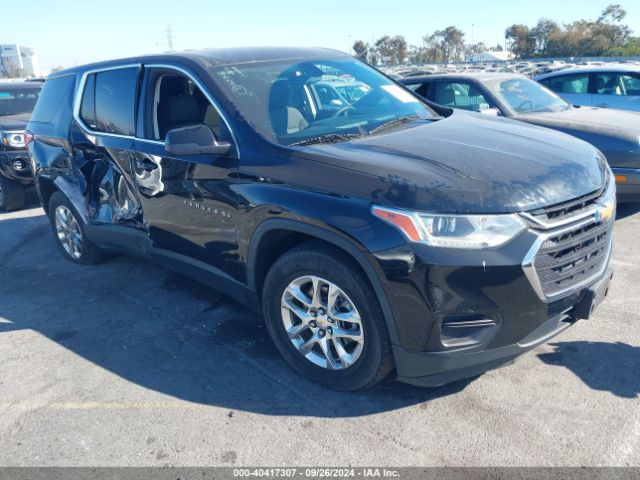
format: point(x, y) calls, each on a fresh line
point(21, 85)
point(479, 76)
point(612, 67)
point(219, 57)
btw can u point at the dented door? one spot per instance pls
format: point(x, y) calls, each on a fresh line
point(188, 203)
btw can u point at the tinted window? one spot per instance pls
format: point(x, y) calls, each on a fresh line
point(617, 84)
point(53, 94)
point(115, 97)
point(459, 95)
point(88, 105)
point(578, 83)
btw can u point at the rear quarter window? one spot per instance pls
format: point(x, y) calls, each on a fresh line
point(55, 91)
point(88, 104)
point(421, 89)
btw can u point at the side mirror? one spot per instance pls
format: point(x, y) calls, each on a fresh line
point(335, 102)
point(194, 140)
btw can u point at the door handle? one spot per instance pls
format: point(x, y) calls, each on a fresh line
point(146, 165)
point(602, 105)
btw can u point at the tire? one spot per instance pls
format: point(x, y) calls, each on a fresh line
point(366, 349)
point(12, 194)
point(83, 251)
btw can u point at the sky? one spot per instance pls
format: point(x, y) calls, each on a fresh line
point(67, 33)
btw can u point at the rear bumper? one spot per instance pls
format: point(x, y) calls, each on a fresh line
point(628, 190)
point(14, 164)
point(432, 369)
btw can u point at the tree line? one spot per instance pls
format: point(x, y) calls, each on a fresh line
point(607, 35)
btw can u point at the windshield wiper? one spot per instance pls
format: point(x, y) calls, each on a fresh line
point(394, 122)
point(329, 138)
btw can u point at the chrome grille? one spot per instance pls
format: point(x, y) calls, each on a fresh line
point(571, 257)
point(565, 211)
point(574, 242)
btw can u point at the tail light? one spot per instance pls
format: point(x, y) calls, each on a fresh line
point(28, 138)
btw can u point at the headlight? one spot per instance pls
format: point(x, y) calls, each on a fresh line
point(12, 139)
point(453, 231)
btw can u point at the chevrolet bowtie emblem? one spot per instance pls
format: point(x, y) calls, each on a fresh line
point(605, 211)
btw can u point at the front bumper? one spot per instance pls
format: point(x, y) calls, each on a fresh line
point(14, 164)
point(627, 184)
point(432, 369)
point(459, 313)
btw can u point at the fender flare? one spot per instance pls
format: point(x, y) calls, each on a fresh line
point(334, 239)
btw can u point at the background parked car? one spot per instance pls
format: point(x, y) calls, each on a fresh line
point(17, 101)
point(611, 86)
point(614, 132)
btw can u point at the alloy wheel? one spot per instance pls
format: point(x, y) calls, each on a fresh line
point(69, 232)
point(322, 322)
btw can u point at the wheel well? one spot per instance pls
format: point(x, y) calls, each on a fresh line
point(272, 246)
point(46, 188)
point(277, 242)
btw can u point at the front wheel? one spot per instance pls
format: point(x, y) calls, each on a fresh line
point(325, 319)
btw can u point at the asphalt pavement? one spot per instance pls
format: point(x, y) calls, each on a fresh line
point(127, 364)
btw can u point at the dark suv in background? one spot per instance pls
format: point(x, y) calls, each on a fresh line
point(17, 101)
point(377, 237)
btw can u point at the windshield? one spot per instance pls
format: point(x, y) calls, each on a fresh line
point(294, 102)
point(527, 96)
point(15, 100)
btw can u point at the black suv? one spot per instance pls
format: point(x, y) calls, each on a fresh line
point(16, 104)
point(380, 237)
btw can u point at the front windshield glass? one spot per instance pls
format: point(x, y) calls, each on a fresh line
point(297, 102)
point(527, 96)
point(18, 100)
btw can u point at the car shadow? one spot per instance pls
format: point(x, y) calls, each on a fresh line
point(610, 367)
point(625, 210)
point(164, 332)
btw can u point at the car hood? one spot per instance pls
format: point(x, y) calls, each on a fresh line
point(618, 124)
point(470, 163)
point(14, 122)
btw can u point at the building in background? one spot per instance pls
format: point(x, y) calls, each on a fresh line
point(18, 61)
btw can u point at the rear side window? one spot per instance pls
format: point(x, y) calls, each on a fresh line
point(115, 97)
point(53, 94)
point(578, 83)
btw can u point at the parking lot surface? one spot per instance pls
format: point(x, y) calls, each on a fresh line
point(126, 364)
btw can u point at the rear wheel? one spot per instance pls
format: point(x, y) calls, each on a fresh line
point(325, 319)
point(68, 230)
point(12, 194)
